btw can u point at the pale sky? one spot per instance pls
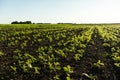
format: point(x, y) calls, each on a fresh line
point(55, 11)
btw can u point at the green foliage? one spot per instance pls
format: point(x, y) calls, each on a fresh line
point(106, 45)
point(92, 77)
point(61, 53)
point(56, 77)
point(25, 63)
point(98, 64)
point(68, 69)
point(13, 68)
point(68, 78)
point(117, 64)
point(49, 51)
point(1, 53)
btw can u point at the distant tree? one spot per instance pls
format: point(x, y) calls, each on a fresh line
point(28, 22)
point(21, 22)
point(14, 22)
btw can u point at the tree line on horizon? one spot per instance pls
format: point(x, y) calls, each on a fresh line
point(30, 22)
point(21, 22)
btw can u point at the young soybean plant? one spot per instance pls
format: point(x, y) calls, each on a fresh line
point(1, 53)
point(68, 70)
point(98, 64)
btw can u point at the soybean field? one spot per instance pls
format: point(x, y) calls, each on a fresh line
point(60, 52)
